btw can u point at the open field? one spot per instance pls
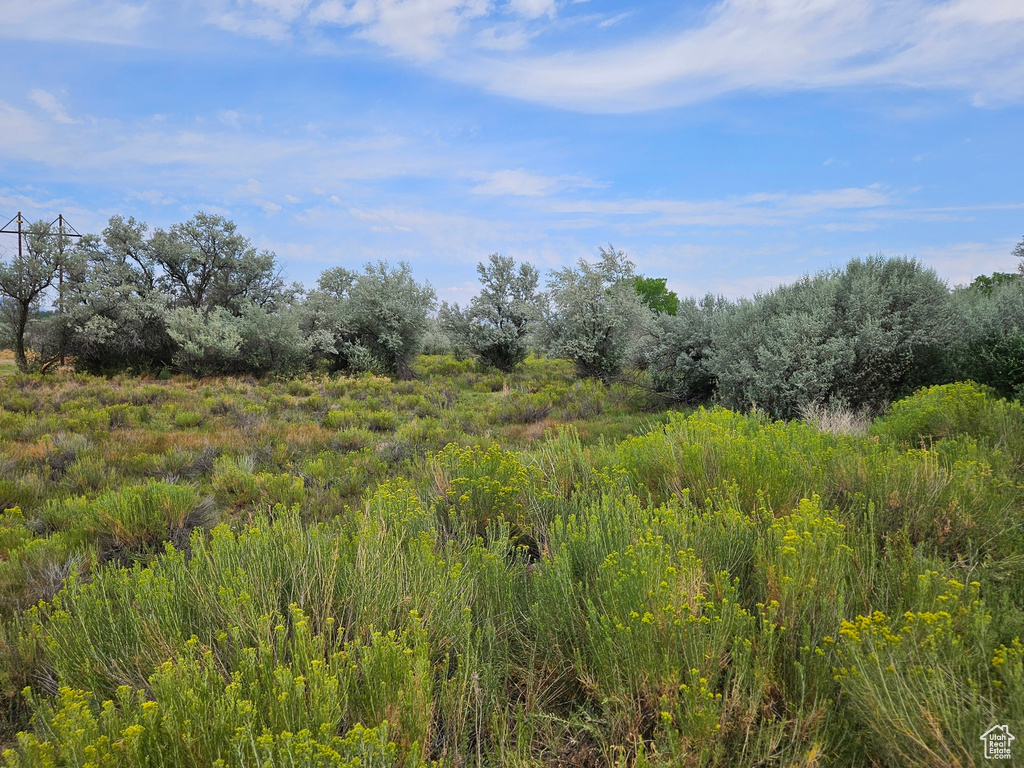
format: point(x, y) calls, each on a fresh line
point(472, 568)
point(7, 364)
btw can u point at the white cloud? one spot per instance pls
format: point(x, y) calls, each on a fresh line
point(230, 118)
point(504, 37)
point(612, 21)
point(521, 182)
point(151, 196)
point(417, 28)
point(972, 46)
point(960, 263)
point(98, 21)
point(976, 47)
point(17, 129)
point(47, 102)
point(532, 9)
point(251, 187)
point(761, 208)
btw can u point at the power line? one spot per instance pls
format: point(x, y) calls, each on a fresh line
point(20, 231)
point(61, 233)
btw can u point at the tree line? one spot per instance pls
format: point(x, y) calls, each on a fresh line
point(198, 298)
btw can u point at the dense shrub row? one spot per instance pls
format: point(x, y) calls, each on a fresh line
point(199, 299)
point(859, 337)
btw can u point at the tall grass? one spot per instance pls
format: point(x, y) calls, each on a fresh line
point(719, 589)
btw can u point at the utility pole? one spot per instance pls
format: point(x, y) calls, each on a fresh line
point(61, 234)
point(18, 231)
point(60, 221)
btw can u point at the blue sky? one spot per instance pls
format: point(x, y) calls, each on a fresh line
point(727, 146)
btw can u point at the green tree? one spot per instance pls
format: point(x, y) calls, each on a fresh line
point(374, 320)
point(495, 326)
point(25, 279)
point(656, 294)
point(989, 338)
point(677, 347)
point(986, 283)
point(115, 314)
point(594, 315)
point(864, 335)
point(325, 319)
point(205, 262)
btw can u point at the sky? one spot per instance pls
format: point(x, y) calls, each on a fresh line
point(726, 146)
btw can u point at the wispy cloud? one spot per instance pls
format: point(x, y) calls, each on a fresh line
point(417, 28)
point(769, 45)
point(97, 21)
point(523, 183)
point(760, 208)
point(781, 45)
point(47, 102)
point(960, 263)
point(520, 48)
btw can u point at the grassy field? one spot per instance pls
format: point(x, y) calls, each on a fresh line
point(7, 364)
point(477, 569)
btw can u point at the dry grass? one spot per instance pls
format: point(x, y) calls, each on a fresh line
point(7, 362)
point(837, 419)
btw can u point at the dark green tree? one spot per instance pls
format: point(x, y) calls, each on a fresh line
point(656, 295)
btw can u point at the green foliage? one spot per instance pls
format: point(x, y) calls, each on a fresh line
point(204, 263)
point(656, 295)
point(272, 341)
point(139, 518)
point(495, 326)
point(25, 279)
point(237, 485)
point(284, 702)
point(956, 410)
point(203, 272)
point(926, 684)
point(374, 321)
point(594, 316)
point(677, 349)
point(989, 344)
point(987, 283)
point(708, 588)
point(864, 336)
point(476, 488)
point(208, 343)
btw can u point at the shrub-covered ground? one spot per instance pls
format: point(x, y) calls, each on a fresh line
point(472, 568)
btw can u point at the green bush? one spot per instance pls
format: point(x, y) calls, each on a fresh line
point(643, 627)
point(926, 684)
point(188, 419)
point(477, 487)
point(297, 698)
point(595, 316)
point(989, 343)
point(863, 336)
point(141, 517)
point(496, 325)
point(237, 485)
point(956, 410)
